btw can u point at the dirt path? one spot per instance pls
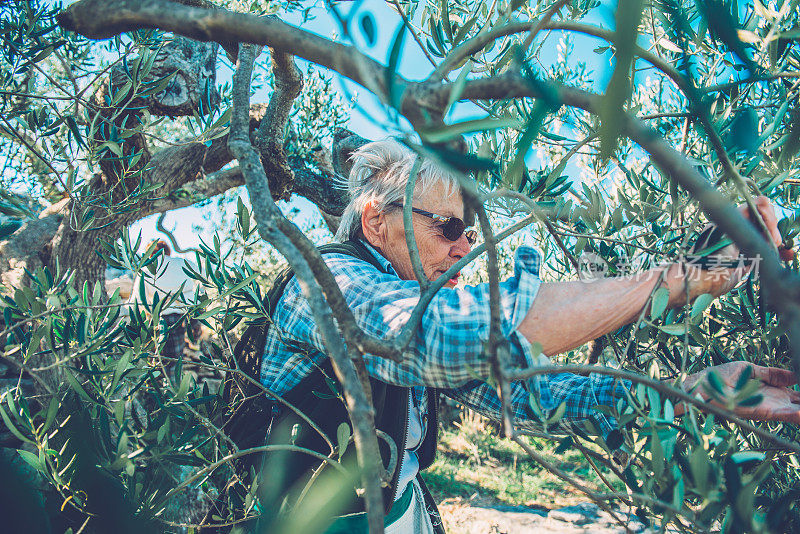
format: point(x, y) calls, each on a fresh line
point(466, 517)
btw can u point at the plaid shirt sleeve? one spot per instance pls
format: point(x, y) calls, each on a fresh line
point(447, 351)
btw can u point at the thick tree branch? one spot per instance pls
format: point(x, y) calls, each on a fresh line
point(499, 354)
point(288, 84)
point(320, 187)
point(196, 191)
point(199, 178)
point(271, 133)
point(272, 227)
point(192, 86)
point(189, 176)
point(99, 19)
point(317, 186)
point(345, 143)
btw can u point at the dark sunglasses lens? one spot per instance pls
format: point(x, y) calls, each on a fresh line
point(453, 228)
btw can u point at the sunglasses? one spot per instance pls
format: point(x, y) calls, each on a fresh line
point(452, 228)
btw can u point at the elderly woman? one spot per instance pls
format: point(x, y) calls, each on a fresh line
point(448, 351)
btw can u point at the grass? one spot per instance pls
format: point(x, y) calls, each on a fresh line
point(475, 464)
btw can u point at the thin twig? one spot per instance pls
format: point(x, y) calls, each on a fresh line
point(160, 227)
point(541, 23)
point(408, 225)
point(233, 456)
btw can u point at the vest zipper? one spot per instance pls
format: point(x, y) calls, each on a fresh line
point(401, 454)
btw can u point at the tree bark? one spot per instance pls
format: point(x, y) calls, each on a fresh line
point(188, 173)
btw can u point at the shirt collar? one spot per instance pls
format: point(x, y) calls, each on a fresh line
point(387, 266)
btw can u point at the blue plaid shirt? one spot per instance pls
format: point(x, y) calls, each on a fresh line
point(447, 351)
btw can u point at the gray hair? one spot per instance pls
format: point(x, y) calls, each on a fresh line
point(379, 175)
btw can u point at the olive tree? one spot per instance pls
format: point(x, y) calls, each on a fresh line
point(696, 117)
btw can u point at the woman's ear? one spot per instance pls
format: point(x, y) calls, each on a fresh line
point(373, 225)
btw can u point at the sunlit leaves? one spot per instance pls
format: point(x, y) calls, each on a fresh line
point(659, 302)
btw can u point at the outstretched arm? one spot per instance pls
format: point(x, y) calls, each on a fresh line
point(565, 315)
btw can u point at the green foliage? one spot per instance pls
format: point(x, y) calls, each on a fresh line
point(142, 416)
point(123, 423)
point(690, 470)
